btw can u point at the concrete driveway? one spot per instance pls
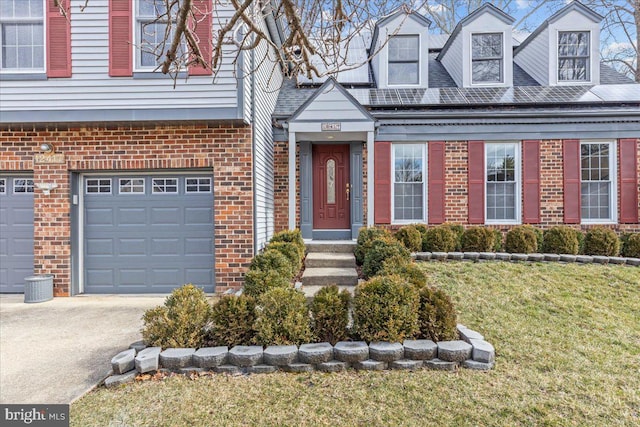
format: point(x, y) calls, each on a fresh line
point(54, 352)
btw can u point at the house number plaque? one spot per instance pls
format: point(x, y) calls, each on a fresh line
point(330, 127)
point(48, 158)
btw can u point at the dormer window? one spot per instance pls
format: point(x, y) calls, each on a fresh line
point(404, 60)
point(573, 56)
point(487, 58)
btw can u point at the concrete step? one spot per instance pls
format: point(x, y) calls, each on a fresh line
point(329, 276)
point(333, 246)
point(311, 291)
point(326, 259)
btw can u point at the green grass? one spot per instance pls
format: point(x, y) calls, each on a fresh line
point(567, 341)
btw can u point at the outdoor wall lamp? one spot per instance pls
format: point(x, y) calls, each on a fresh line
point(46, 187)
point(47, 148)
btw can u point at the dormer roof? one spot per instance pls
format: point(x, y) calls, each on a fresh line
point(411, 14)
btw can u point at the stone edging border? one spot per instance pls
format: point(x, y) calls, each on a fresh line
point(536, 257)
point(470, 351)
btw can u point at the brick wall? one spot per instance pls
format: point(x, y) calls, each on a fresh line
point(224, 149)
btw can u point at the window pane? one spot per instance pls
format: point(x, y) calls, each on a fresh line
point(573, 56)
point(151, 8)
point(486, 46)
point(22, 46)
point(595, 175)
point(595, 200)
point(403, 73)
point(487, 71)
point(409, 186)
point(501, 181)
point(403, 48)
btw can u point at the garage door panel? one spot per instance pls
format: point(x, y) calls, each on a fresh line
point(131, 217)
point(198, 216)
point(165, 216)
point(198, 246)
point(97, 278)
point(198, 275)
point(133, 276)
point(164, 247)
point(132, 247)
point(99, 247)
point(99, 217)
point(166, 277)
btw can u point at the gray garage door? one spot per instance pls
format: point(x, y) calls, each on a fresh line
point(147, 233)
point(16, 232)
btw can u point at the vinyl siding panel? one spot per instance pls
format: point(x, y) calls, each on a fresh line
point(331, 106)
point(534, 58)
point(452, 60)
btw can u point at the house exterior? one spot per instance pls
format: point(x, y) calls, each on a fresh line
point(483, 127)
point(112, 179)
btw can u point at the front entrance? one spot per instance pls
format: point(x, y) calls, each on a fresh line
point(331, 187)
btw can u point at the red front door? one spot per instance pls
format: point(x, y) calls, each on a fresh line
point(331, 206)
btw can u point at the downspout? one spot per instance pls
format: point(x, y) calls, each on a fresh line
point(253, 151)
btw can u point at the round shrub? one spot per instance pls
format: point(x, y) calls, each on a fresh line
point(291, 251)
point(366, 236)
point(290, 236)
point(232, 319)
point(385, 309)
point(422, 228)
point(632, 246)
point(272, 260)
point(410, 237)
point(257, 282)
point(521, 240)
point(497, 240)
point(561, 240)
point(601, 241)
point(330, 314)
point(282, 318)
point(181, 322)
point(382, 249)
point(459, 231)
point(437, 316)
point(478, 239)
point(440, 239)
point(409, 271)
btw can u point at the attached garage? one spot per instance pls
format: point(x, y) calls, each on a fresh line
point(16, 232)
point(147, 233)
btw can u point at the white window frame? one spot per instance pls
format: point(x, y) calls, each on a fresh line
point(164, 193)
point(138, 22)
point(589, 60)
point(132, 186)
point(425, 180)
point(518, 182)
point(4, 70)
point(3, 186)
point(419, 62)
point(613, 191)
point(86, 186)
point(187, 191)
point(503, 70)
point(29, 185)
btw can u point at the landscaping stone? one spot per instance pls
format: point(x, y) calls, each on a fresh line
point(406, 364)
point(138, 346)
point(535, 257)
point(116, 380)
point(440, 365)
point(385, 351)
point(633, 261)
point(488, 255)
point(148, 359)
point(456, 256)
point(454, 351)
point(420, 349)
point(479, 366)
point(332, 366)
point(262, 369)
point(503, 256)
point(123, 361)
point(280, 355)
point(299, 367)
point(176, 358)
point(568, 258)
point(617, 260)
point(439, 256)
point(482, 351)
point(370, 365)
point(228, 369)
point(584, 259)
point(473, 256)
point(347, 351)
point(315, 353)
point(245, 355)
point(423, 256)
point(467, 334)
point(209, 357)
point(191, 369)
point(551, 257)
point(519, 257)
point(413, 256)
point(599, 259)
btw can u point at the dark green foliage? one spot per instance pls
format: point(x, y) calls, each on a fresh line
point(561, 240)
point(282, 318)
point(272, 260)
point(631, 247)
point(382, 249)
point(385, 309)
point(290, 236)
point(257, 282)
point(291, 251)
point(409, 271)
point(437, 316)
point(459, 231)
point(478, 239)
point(366, 236)
point(497, 240)
point(422, 228)
point(181, 322)
point(330, 314)
point(601, 241)
point(410, 237)
point(521, 239)
point(440, 239)
point(232, 321)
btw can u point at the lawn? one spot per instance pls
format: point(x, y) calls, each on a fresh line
point(567, 341)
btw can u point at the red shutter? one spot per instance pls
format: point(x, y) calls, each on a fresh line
point(531, 182)
point(120, 38)
point(436, 182)
point(476, 182)
point(58, 40)
point(382, 183)
point(202, 25)
point(571, 171)
point(627, 153)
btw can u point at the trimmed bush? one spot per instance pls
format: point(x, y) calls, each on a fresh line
point(382, 249)
point(478, 239)
point(366, 236)
point(232, 321)
point(631, 247)
point(385, 309)
point(497, 240)
point(437, 316)
point(272, 260)
point(181, 322)
point(459, 231)
point(282, 318)
point(407, 270)
point(601, 241)
point(330, 314)
point(257, 282)
point(291, 251)
point(422, 228)
point(561, 240)
point(291, 236)
point(521, 239)
point(410, 237)
point(440, 239)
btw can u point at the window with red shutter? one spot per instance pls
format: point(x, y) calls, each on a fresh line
point(120, 38)
point(202, 29)
point(58, 39)
point(382, 182)
point(531, 182)
point(571, 180)
point(628, 154)
point(476, 182)
point(436, 193)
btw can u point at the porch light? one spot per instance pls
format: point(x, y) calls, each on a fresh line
point(47, 148)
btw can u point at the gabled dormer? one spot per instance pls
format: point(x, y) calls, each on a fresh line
point(564, 49)
point(479, 51)
point(400, 49)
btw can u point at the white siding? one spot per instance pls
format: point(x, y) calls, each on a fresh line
point(534, 58)
point(331, 106)
point(452, 60)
